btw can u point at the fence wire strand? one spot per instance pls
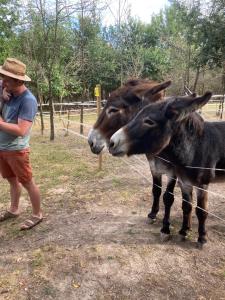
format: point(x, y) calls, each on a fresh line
point(149, 181)
point(146, 178)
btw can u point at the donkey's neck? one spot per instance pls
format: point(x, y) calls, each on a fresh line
point(196, 150)
point(185, 139)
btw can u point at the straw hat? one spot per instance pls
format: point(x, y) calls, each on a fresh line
point(14, 68)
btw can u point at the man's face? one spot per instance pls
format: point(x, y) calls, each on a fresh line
point(10, 84)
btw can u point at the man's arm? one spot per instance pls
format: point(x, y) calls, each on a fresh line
point(20, 129)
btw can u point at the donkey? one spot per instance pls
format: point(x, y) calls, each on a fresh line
point(193, 146)
point(123, 104)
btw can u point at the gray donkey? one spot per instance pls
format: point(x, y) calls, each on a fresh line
point(194, 147)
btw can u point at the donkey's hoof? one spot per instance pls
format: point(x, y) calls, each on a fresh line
point(183, 238)
point(151, 221)
point(152, 215)
point(200, 246)
point(164, 237)
point(151, 218)
point(201, 242)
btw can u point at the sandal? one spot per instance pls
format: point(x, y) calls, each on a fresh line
point(31, 222)
point(5, 215)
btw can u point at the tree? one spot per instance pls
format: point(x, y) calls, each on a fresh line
point(8, 21)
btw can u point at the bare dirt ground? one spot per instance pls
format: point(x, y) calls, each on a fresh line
point(96, 242)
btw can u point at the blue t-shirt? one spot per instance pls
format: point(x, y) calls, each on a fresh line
point(22, 107)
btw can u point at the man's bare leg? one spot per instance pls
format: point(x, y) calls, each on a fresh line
point(15, 193)
point(35, 197)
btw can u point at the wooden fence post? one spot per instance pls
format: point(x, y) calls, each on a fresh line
point(222, 107)
point(98, 100)
point(68, 123)
point(81, 119)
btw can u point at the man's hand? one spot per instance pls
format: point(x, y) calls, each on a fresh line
point(5, 95)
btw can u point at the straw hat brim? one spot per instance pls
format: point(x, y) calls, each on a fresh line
point(9, 74)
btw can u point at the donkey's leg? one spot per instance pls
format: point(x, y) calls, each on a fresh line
point(187, 208)
point(156, 192)
point(168, 199)
point(202, 203)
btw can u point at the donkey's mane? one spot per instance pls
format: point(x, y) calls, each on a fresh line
point(137, 87)
point(194, 123)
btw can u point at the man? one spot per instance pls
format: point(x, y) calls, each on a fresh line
point(18, 113)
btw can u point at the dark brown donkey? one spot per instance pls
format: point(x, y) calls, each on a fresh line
point(194, 147)
point(122, 105)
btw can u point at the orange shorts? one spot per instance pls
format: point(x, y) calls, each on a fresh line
point(16, 164)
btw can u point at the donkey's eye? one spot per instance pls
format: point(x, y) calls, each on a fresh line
point(112, 110)
point(149, 122)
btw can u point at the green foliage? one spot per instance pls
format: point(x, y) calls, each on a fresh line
point(8, 22)
point(203, 29)
point(68, 51)
point(212, 35)
point(156, 63)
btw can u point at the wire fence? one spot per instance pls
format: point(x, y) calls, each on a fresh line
point(67, 130)
point(66, 123)
point(214, 109)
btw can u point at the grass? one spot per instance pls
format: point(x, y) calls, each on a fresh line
point(116, 182)
point(59, 167)
point(53, 163)
point(37, 258)
point(53, 259)
point(60, 164)
point(87, 118)
point(210, 111)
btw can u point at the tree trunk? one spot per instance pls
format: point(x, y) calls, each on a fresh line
point(40, 100)
point(188, 68)
point(41, 112)
point(223, 89)
point(61, 104)
point(203, 81)
point(196, 79)
point(51, 109)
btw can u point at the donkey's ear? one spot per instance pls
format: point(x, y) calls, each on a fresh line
point(157, 88)
point(181, 107)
